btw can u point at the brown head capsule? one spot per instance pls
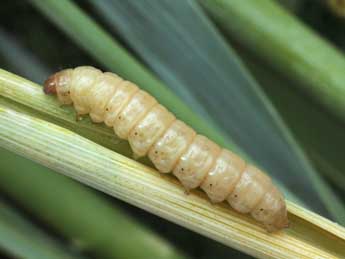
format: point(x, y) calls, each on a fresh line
point(59, 84)
point(171, 145)
point(50, 85)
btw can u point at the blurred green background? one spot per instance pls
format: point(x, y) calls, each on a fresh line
point(203, 54)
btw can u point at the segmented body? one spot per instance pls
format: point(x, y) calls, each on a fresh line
point(170, 144)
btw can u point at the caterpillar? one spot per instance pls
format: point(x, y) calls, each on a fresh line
point(170, 144)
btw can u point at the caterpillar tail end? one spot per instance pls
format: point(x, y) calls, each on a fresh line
point(279, 224)
point(50, 84)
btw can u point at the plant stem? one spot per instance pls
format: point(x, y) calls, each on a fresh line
point(310, 236)
point(78, 213)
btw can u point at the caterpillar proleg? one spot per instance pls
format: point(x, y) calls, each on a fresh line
point(170, 144)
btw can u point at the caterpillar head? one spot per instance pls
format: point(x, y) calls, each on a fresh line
point(59, 84)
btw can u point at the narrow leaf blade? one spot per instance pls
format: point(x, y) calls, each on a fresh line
point(309, 236)
point(21, 238)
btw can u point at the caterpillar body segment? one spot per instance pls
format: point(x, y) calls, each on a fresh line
point(168, 149)
point(145, 133)
point(171, 145)
point(123, 93)
point(249, 189)
point(223, 176)
point(101, 92)
point(83, 80)
point(195, 163)
point(135, 110)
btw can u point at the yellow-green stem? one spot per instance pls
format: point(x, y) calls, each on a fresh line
point(309, 236)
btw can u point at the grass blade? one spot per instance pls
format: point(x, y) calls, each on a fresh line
point(219, 86)
point(310, 236)
point(278, 37)
point(21, 61)
point(20, 238)
point(325, 143)
point(89, 221)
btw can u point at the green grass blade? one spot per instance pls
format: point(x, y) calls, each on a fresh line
point(22, 239)
point(309, 235)
point(78, 213)
point(90, 36)
point(19, 60)
point(220, 86)
point(290, 46)
point(325, 144)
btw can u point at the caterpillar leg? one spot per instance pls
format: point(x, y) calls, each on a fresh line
point(186, 191)
point(78, 117)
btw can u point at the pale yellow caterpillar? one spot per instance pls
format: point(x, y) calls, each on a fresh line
point(170, 144)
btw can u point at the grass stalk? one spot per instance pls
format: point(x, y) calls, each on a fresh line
point(79, 214)
point(310, 235)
